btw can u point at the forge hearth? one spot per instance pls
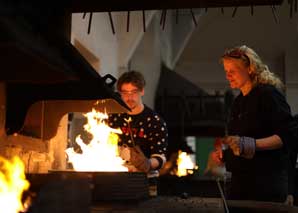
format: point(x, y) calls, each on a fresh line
point(69, 191)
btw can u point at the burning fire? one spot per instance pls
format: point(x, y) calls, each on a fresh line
point(101, 154)
point(185, 164)
point(12, 185)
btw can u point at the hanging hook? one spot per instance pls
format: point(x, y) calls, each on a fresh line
point(161, 17)
point(144, 21)
point(164, 19)
point(128, 16)
point(111, 21)
point(222, 10)
point(274, 13)
point(193, 17)
point(90, 22)
point(177, 15)
point(234, 12)
point(291, 8)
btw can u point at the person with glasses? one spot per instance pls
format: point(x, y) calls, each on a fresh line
point(144, 138)
point(261, 130)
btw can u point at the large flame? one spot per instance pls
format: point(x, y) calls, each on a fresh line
point(12, 185)
point(185, 164)
point(101, 154)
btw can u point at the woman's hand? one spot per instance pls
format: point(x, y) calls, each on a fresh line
point(241, 146)
point(234, 143)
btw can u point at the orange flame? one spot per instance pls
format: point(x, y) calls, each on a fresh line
point(185, 164)
point(101, 154)
point(12, 185)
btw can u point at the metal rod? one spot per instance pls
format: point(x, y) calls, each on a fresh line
point(193, 17)
point(234, 12)
point(144, 20)
point(291, 8)
point(128, 19)
point(90, 22)
point(128, 121)
point(164, 19)
point(161, 17)
point(274, 13)
point(252, 10)
point(84, 15)
point(222, 195)
point(111, 21)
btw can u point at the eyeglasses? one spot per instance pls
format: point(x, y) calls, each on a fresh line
point(127, 93)
point(236, 53)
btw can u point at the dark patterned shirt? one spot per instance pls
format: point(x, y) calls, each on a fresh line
point(147, 129)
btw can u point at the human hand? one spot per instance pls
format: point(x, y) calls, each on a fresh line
point(234, 143)
point(290, 200)
point(139, 160)
point(241, 146)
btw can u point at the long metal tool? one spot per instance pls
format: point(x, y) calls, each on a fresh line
point(222, 195)
point(129, 130)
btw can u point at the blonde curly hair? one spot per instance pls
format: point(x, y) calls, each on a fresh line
point(259, 72)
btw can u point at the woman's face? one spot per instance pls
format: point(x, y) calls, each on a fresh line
point(236, 72)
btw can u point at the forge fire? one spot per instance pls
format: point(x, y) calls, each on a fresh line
point(12, 184)
point(101, 154)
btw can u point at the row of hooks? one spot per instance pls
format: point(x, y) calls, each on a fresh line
point(162, 20)
point(292, 3)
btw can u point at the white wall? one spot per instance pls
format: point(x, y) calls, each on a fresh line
point(101, 41)
point(276, 43)
point(147, 59)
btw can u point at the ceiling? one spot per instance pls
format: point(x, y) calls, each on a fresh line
point(58, 6)
point(260, 30)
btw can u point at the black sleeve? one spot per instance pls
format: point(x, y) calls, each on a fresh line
point(278, 117)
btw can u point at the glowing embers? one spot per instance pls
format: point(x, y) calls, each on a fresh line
point(12, 185)
point(185, 165)
point(101, 154)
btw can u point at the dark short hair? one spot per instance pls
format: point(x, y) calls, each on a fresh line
point(134, 77)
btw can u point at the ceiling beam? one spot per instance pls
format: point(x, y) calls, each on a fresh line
point(131, 5)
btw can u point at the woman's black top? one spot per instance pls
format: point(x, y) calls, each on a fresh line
point(261, 113)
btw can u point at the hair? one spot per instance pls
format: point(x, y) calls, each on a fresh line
point(134, 77)
point(259, 72)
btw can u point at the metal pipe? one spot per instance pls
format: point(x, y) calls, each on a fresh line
point(222, 195)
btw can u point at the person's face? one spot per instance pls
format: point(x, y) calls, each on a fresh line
point(236, 72)
point(131, 95)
